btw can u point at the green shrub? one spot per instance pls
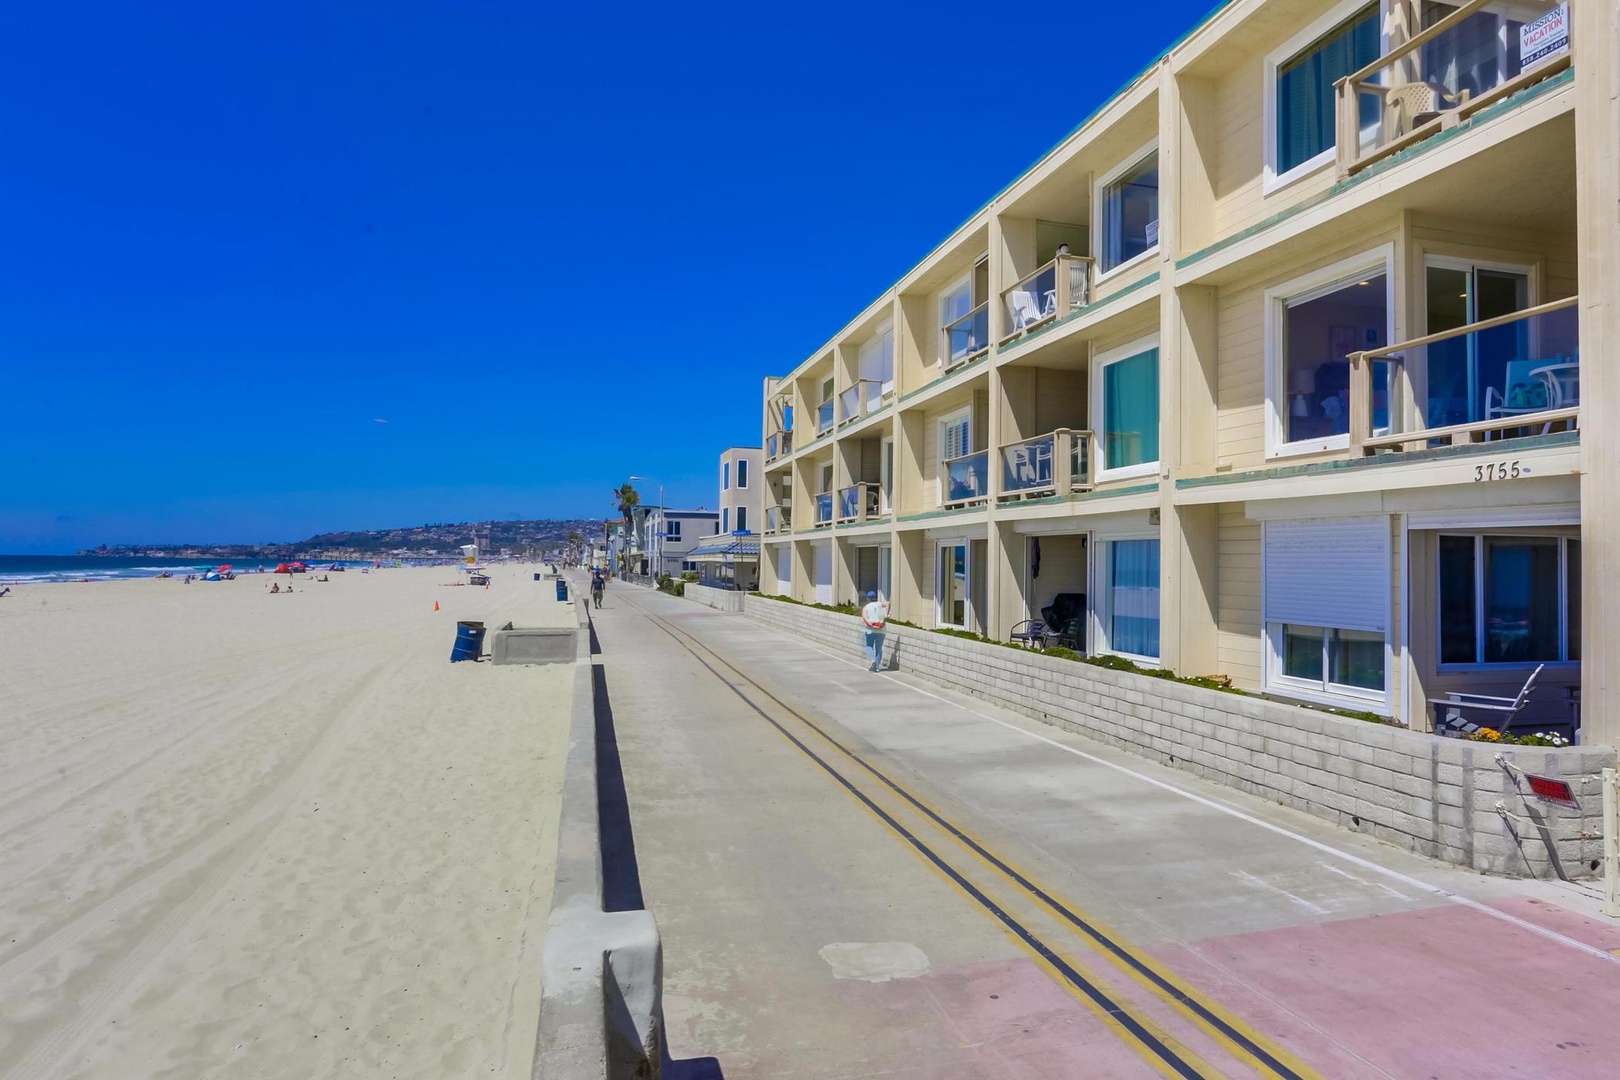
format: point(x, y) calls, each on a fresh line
point(689, 576)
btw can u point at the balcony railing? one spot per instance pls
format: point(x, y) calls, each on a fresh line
point(861, 399)
point(1443, 74)
point(966, 479)
point(778, 444)
point(778, 519)
point(824, 509)
point(824, 418)
point(1061, 286)
point(858, 502)
point(1046, 465)
point(1517, 374)
point(966, 338)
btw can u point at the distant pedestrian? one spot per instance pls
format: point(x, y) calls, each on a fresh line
point(597, 585)
point(874, 615)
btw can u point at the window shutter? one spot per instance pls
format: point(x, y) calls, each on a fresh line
point(1331, 572)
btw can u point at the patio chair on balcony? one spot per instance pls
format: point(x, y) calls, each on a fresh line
point(1524, 392)
point(1451, 708)
point(1027, 312)
point(1411, 105)
point(1563, 378)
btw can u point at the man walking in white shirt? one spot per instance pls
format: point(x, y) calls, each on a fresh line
point(874, 615)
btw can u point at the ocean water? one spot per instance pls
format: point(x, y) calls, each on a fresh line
point(26, 569)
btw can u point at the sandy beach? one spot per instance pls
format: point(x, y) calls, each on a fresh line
point(252, 835)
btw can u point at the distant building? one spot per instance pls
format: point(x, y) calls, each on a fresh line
point(668, 537)
point(729, 559)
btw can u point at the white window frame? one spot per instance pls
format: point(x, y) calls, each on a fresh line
point(1099, 409)
point(886, 475)
point(742, 473)
point(1479, 536)
point(945, 421)
point(742, 519)
point(1340, 13)
point(1323, 693)
point(1312, 286)
point(725, 519)
point(963, 282)
point(1099, 562)
point(967, 582)
point(1098, 208)
point(886, 327)
point(885, 571)
point(725, 476)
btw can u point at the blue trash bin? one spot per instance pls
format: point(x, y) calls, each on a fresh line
point(469, 642)
point(562, 589)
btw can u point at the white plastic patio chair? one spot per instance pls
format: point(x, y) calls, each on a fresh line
point(1453, 705)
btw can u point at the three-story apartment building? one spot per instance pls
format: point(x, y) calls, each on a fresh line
point(1288, 364)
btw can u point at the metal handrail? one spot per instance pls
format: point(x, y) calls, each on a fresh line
point(1462, 331)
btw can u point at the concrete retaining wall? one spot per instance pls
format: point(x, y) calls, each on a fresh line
point(1433, 795)
point(601, 1008)
point(719, 599)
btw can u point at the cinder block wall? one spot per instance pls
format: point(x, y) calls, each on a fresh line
point(1436, 796)
point(719, 599)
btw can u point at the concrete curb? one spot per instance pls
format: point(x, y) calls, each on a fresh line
point(601, 999)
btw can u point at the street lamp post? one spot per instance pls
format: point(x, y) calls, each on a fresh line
point(663, 527)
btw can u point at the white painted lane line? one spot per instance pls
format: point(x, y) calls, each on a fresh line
point(1330, 868)
point(1232, 811)
point(1259, 883)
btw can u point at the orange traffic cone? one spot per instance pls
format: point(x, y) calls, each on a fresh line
point(435, 605)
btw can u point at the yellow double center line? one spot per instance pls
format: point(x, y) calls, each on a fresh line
point(1246, 1045)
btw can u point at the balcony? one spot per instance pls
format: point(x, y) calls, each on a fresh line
point(1052, 464)
point(1499, 378)
point(862, 399)
point(778, 444)
point(824, 418)
point(1056, 289)
point(967, 338)
point(858, 503)
point(1444, 74)
point(966, 479)
point(778, 519)
point(824, 509)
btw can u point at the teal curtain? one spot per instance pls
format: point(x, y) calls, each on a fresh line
point(1305, 100)
point(1133, 585)
point(1131, 410)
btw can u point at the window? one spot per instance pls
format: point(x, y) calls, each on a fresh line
point(875, 362)
point(1326, 629)
point(1301, 112)
point(1128, 396)
point(885, 571)
point(725, 520)
point(955, 303)
point(1333, 660)
point(725, 475)
point(742, 473)
point(1128, 201)
point(953, 585)
point(1313, 324)
point(672, 530)
point(742, 519)
point(1509, 599)
point(1129, 608)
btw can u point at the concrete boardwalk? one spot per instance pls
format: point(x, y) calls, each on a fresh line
point(860, 876)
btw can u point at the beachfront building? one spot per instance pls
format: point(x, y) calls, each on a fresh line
point(1285, 365)
point(729, 559)
point(668, 537)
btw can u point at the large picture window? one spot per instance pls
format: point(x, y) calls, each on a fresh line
point(1128, 393)
point(1129, 204)
point(1509, 599)
point(1303, 102)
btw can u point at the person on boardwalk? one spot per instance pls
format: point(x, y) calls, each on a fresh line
point(597, 585)
point(874, 615)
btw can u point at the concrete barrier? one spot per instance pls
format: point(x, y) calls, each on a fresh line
point(1462, 802)
point(601, 1007)
point(719, 599)
point(535, 645)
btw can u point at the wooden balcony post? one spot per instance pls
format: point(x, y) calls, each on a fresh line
point(1361, 403)
point(1062, 459)
point(1347, 139)
point(1060, 275)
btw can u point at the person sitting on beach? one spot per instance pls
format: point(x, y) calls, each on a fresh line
point(276, 588)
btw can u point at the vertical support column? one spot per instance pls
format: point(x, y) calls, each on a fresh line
point(1595, 39)
point(804, 561)
point(1009, 605)
point(907, 602)
point(845, 571)
point(1611, 846)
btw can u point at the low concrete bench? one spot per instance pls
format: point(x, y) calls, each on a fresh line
point(534, 645)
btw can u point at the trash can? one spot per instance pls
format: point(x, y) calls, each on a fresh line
point(469, 642)
point(562, 589)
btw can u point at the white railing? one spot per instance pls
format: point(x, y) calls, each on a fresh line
point(861, 399)
point(1050, 464)
point(966, 338)
point(1056, 289)
point(966, 479)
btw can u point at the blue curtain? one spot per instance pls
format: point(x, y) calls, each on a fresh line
point(1131, 410)
point(1305, 99)
point(1133, 594)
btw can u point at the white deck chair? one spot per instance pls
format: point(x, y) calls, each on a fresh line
point(1453, 704)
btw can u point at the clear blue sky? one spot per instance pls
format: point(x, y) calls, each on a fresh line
point(552, 245)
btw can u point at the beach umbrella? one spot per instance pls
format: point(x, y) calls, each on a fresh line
point(282, 568)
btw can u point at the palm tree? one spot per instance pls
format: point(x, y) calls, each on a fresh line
point(627, 499)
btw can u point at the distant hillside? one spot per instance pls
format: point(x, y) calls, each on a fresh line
point(422, 541)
